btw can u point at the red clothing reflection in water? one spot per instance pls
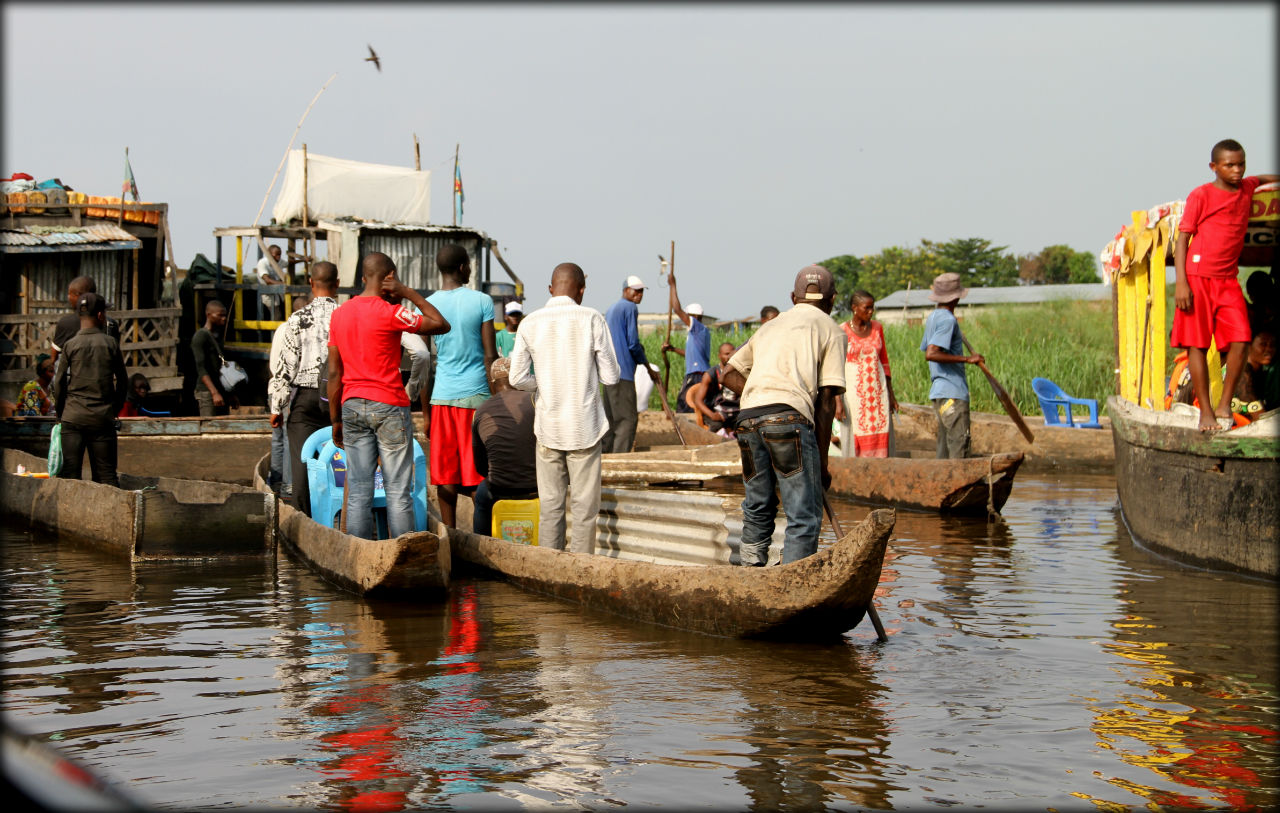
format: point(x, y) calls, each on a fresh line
point(370, 753)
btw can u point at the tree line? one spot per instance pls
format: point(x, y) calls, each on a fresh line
point(978, 263)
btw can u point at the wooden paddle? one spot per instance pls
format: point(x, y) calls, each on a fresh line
point(1003, 396)
point(871, 605)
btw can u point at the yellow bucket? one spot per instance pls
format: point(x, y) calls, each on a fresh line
point(516, 521)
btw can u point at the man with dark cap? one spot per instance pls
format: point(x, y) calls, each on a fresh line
point(89, 388)
point(789, 375)
point(943, 347)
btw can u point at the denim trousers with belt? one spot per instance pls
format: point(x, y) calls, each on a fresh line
point(780, 459)
point(373, 430)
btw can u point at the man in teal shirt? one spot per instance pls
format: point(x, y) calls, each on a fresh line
point(513, 312)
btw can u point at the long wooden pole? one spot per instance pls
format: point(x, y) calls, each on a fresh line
point(871, 605)
point(666, 364)
point(285, 157)
point(662, 393)
point(1005, 400)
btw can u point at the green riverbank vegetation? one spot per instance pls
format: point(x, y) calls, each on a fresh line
point(1067, 341)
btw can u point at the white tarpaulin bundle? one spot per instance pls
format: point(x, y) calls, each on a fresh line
point(338, 188)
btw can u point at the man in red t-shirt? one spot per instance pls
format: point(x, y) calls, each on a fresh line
point(367, 402)
point(1207, 292)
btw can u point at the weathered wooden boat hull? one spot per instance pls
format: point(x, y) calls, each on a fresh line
point(1210, 500)
point(1056, 448)
point(146, 518)
point(411, 566)
point(947, 486)
point(818, 598)
point(653, 429)
point(215, 449)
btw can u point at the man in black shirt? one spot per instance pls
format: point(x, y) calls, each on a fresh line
point(89, 388)
point(69, 325)
point(503, 444)
point(206, 351)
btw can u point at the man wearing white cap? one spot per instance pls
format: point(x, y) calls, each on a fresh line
point(620, 399)
point(512, 313)
point(790, 375)
point(697, 347)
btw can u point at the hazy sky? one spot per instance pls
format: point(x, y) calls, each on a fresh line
point(759, 138)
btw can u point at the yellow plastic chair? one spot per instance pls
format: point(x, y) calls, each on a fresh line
point(516, 521)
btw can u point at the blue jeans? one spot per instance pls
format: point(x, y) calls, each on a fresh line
point(373, 430)
point(780, 457)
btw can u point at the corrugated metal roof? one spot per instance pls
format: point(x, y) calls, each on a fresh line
point(68, 236)
point(1010, 295)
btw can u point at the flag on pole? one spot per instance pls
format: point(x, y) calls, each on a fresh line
point(458, 196)
point(129, 186)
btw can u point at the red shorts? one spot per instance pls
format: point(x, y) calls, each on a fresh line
point(452, 462)
point(1218, 312)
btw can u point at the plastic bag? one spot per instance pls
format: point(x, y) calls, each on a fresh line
point(231, 375)
point(55, 450)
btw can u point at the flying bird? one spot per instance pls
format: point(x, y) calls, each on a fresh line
point(373, 57)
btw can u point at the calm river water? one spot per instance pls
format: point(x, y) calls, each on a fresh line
point(1042, 662)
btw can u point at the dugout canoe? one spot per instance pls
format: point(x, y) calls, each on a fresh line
point(1206, 499)
point(817, 598)
point(411, 566)
point(146, 518)
point(965, 486)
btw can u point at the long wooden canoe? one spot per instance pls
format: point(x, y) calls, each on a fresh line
point(817, 598)
point(411, 566)
point(146, 518)
point(946, 486)
point(1207, 499)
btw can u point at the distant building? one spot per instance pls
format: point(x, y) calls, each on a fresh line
point(901, 306)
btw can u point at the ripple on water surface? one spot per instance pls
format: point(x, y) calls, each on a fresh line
point(1036, 661)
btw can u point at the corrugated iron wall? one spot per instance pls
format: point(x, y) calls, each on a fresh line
point(49, 274)
point(415, 256)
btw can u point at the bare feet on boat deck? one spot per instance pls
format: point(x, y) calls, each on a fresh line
point(1208, 421)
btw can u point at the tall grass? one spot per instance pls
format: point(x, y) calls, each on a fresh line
point(1067, 341)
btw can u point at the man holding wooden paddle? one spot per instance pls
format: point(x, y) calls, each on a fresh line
point(943, 346)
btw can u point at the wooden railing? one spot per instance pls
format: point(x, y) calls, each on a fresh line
point(148, 339)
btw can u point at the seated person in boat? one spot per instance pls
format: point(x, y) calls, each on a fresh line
point(569, 347)
point(715, 404)
point(1259, 388)
point(88, 391)
point(503, 444)
point(789, 376)
point(1210, 304)
point(35, 399)
point(135, 401)
point(368, 404)
point(943, 346)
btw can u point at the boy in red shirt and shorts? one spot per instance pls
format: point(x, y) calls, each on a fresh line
point(1207, 292)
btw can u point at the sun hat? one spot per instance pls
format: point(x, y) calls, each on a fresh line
point(693, 309)
point(635, 282)
point(947, 288)
point(814, 275)
point(513, 307)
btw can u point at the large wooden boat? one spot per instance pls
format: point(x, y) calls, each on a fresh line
point(816, 598)
point(1208, 499)
point(966, 486)
point(146, 518)
point(411, 566)
point(216, 449)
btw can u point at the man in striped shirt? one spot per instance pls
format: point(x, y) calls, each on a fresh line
point(570, 347)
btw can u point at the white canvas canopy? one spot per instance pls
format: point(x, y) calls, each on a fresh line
point(339, 188)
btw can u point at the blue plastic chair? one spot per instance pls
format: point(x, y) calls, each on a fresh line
point(1052, 398)
point(327, 470)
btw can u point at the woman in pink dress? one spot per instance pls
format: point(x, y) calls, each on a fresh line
point(868, 394)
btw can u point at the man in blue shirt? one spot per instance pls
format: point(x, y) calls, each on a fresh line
point(620, 406)
point(697, 347)
point(943, 347)
point(463, 357)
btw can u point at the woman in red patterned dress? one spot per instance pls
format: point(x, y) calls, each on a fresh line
point(868, 396)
